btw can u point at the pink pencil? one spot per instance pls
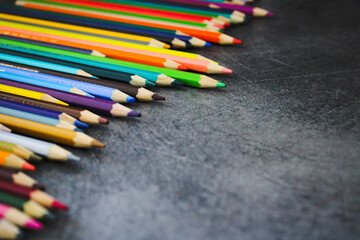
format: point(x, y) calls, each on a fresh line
point(17, 217)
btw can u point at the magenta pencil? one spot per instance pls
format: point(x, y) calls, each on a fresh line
point(17, 217)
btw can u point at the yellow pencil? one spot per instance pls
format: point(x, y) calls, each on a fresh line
point(151, 41)
point(64, 33)
point(30, 94)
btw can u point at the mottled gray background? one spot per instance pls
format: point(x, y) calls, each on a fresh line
point(275, 155)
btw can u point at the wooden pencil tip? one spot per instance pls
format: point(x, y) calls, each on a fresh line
point(96, 143)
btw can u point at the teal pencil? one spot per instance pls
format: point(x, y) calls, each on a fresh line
point(38, 118)
point(34, 81)
point(46, 65)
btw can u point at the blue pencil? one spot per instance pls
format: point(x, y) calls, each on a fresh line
point(93, 89)
point(38, 118)
point(38, 82)
point(57, 46)
point(42, 111)
point(42, 64)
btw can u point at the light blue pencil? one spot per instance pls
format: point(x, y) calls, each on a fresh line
point(38, 82)
point(42, 64)
point(103, 92)
point(39, 118)
point(47, 149)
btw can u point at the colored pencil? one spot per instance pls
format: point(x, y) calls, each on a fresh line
point(133, 14)
point(94, 104)
point(4, 128)
point(17, 217)
point(114, 50)
point(50, 133)
point(29, 207)
point(49, 150)
point(74, 112)
point(10, 160)
point(253, 11)
point(191, 79)
point(29, 94)
point(66, 58)
point(45, 24)
point(9, 230)
point(57, 46)
point(226, 15)
point(39, 111)
point(34, 81)
point(56, 82)
point(209, 36)
point(46, 65)
point(90, 31)
point(33, 194)
point(20, 178)
point(19, 151)
point(140, 93)
point(168, 36)
point(38, 118)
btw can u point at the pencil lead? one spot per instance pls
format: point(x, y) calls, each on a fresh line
point(237, 41)
point(28, 166)
point(38, 186)
point(59, 205)
point(182, 67)
point(48, 216)
point(34, 224)
point(270, 14)
point(158, 97)
point(96, 143)
point(103, 120)
point(73, 157)
point(207, 44)
point(220, 84)
point(130, 99)
point(35, 157)
point(134, 114)
point(177, 83)
point(226, 70)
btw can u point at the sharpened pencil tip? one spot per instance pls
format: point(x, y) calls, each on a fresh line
point(38, 186)
point(150, 83)
point(103, 120)
point(270, 14)
point(35, 157)
point(227, 25)
point(220, 84)
point(34, 225)
point(226, 70)
point(237, 41)
point(130, 99)
point(73, 157)
point(59, 205)
point(207, 44)
point(28, 166)
point(80, 124)
point(182, 67)
point(158, 97)
point(134, 114)
point(177, 83)
point(96, 143)
point(48, 216)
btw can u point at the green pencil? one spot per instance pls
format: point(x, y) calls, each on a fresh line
point(29, 207)
point(190, 79)
point(19, 151)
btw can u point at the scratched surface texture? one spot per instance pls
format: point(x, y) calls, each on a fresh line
point(275, 155)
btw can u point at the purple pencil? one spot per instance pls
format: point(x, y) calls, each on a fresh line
point(94, 104)
point(253, 11)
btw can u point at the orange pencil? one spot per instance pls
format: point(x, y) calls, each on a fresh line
point(110, 52)
point(10, 160)
point(108, 48)
point(205, 35)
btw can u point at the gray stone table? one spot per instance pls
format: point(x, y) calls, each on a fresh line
point(273, 156)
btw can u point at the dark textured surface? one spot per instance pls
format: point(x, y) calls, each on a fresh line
point(275, 155)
